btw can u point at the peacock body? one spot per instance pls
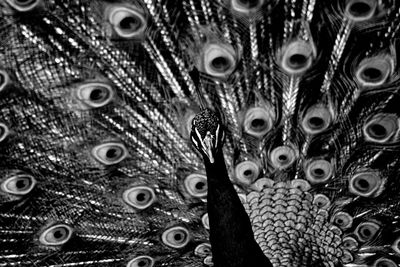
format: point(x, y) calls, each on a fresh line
point(100, 165)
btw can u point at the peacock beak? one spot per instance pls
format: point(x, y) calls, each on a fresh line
point(207, 146)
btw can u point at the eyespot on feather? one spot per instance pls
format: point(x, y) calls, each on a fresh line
point(205, 221)
point(384, 262)
point(318, 171)
point(196, 185)
point(4, 132)
point(25, 5)
point(380, 128)
point(188, 123)
point(141, 261)
point(342, 220)
point(316, 119)
point(246, 7)
point(127, 21)
point(350, 243)
point(217, 59)
point(257, 121)
point(282, 157)
point(366, 184)
point(360, 10)
point(322, 201)
point(94, 94)
point(247, 172)
point(208, 261)
point(56, 235)
point(347, 257)
point(374, 71)
point(176, 237)
point(366, 231)
point(203, 250)
point(139, 197)
point(109, 153)
point(4, 80)
point(396, 245)
point(18, 185)
point(297, 57)
point(301, 184)
point(262, 183)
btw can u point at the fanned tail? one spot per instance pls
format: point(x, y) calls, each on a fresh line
point(97, 100)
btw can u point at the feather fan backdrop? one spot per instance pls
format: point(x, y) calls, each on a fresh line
point(97, 102)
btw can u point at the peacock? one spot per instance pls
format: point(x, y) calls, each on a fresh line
point(226, 133)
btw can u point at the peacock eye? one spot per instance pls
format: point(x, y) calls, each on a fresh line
point(336, 231)
point(219, 60)
point(316, 120)
point(262, 183)
point(128, 22)
point(56, 235)
point(396, 245)
point(189, 122)
point(257, 122)
point(19, 185)
point(347, 257)
point(203, 250)
point(297, 57)
point(318, 171)
point(375, 71)
point(384, 262)
point(247, 171)
point(360, 10)
point(4, 132)
point(208, 261)
point(196, 185)
point(205, 221)
point(380, 128)
point(110, 153)
point(321, 201)
point(246, 6)
point(176, 237)
point(301, 184)
point(24, 5)
point(95, 94)
point(350, 243)
point(139, 197)
point(366, 231)
point(342, 220)
point(366, 184)
point(141, 261)
point(4, 80)
point(282, 157)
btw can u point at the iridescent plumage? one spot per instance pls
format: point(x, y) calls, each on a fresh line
point(97, 100)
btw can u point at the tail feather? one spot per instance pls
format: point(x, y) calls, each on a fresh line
point(97, 100)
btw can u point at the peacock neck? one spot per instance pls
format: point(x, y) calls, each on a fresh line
point(231, 235)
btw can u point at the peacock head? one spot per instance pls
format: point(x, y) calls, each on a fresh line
point(207, 134)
